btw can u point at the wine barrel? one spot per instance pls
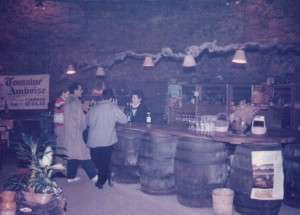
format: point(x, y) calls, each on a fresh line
point(241, 181)
point(291, 165)
point(156, 163)
point(200, 167)
point(125, 155)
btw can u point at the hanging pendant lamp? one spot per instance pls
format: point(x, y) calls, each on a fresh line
point(148, 62)
point(239, 57)
point(100, 71)
point(189, 61)
point(70, 70)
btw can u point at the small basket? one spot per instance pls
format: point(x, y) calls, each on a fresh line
point(222, 123)
point(41, 198)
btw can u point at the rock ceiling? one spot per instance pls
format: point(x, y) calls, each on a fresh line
point(23, 23)
point(98, 29)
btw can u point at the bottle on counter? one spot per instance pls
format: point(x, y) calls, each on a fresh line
point(128, 112)
point(148, 117)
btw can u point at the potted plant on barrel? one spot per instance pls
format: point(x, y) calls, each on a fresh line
point(37, 184)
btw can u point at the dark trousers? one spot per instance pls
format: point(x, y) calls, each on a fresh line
point(88, 166)
point(101, 157)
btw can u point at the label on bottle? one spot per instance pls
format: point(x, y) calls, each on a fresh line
point(148, 118)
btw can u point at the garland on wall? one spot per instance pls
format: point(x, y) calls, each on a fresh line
point(194, 50)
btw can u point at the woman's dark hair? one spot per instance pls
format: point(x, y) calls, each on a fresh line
point(139, 93)
point(107, 94)
point(63, 90)
point(74, 86)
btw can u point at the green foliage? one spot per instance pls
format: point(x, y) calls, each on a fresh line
point(31, 150)
point(39, 178)
point(16, 182)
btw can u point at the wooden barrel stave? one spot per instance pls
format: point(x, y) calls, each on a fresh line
point(156, 163)
point(125, 155)
point(241, 181)
point(291, 165)
point(200, 167)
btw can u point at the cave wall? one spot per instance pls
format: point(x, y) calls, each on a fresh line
point(36, 41)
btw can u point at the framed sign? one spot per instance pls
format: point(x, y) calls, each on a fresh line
point(21, 92)
point(175, 96)
point(267, 175)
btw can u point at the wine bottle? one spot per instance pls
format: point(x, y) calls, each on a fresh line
point(128, 112)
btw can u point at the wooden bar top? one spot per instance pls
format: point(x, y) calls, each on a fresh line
point(273, 135)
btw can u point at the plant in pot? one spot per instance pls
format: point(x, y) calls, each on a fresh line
point(242, 116)
point(37, 184)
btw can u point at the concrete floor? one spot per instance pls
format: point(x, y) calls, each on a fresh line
point(122, 199)
point(128, 199)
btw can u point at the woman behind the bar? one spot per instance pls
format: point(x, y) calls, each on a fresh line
point(139, 109)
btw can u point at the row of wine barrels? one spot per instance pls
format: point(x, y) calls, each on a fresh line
point(291, 165)
point(125, 156)
point(241, 181)
point(200, 167)
point(192, 168)
point(156, 163)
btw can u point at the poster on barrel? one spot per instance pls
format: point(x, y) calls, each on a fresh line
point(267, 175)
point(24, 92)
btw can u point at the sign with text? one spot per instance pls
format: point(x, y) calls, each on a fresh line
point(19, 92)
point(267, 175)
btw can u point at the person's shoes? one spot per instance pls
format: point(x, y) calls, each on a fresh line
point(95, 179)
point(73, 179)
point(100, 186)
point(111, 179)
point(59, 175)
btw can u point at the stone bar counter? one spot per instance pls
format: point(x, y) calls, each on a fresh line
point(174, 159)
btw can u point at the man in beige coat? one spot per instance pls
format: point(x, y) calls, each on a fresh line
point(75, 123)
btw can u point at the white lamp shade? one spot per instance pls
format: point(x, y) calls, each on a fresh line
point(70, 70)
point(100, 71)
point(148, 62)
point(239, 57)
point(189, 61)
